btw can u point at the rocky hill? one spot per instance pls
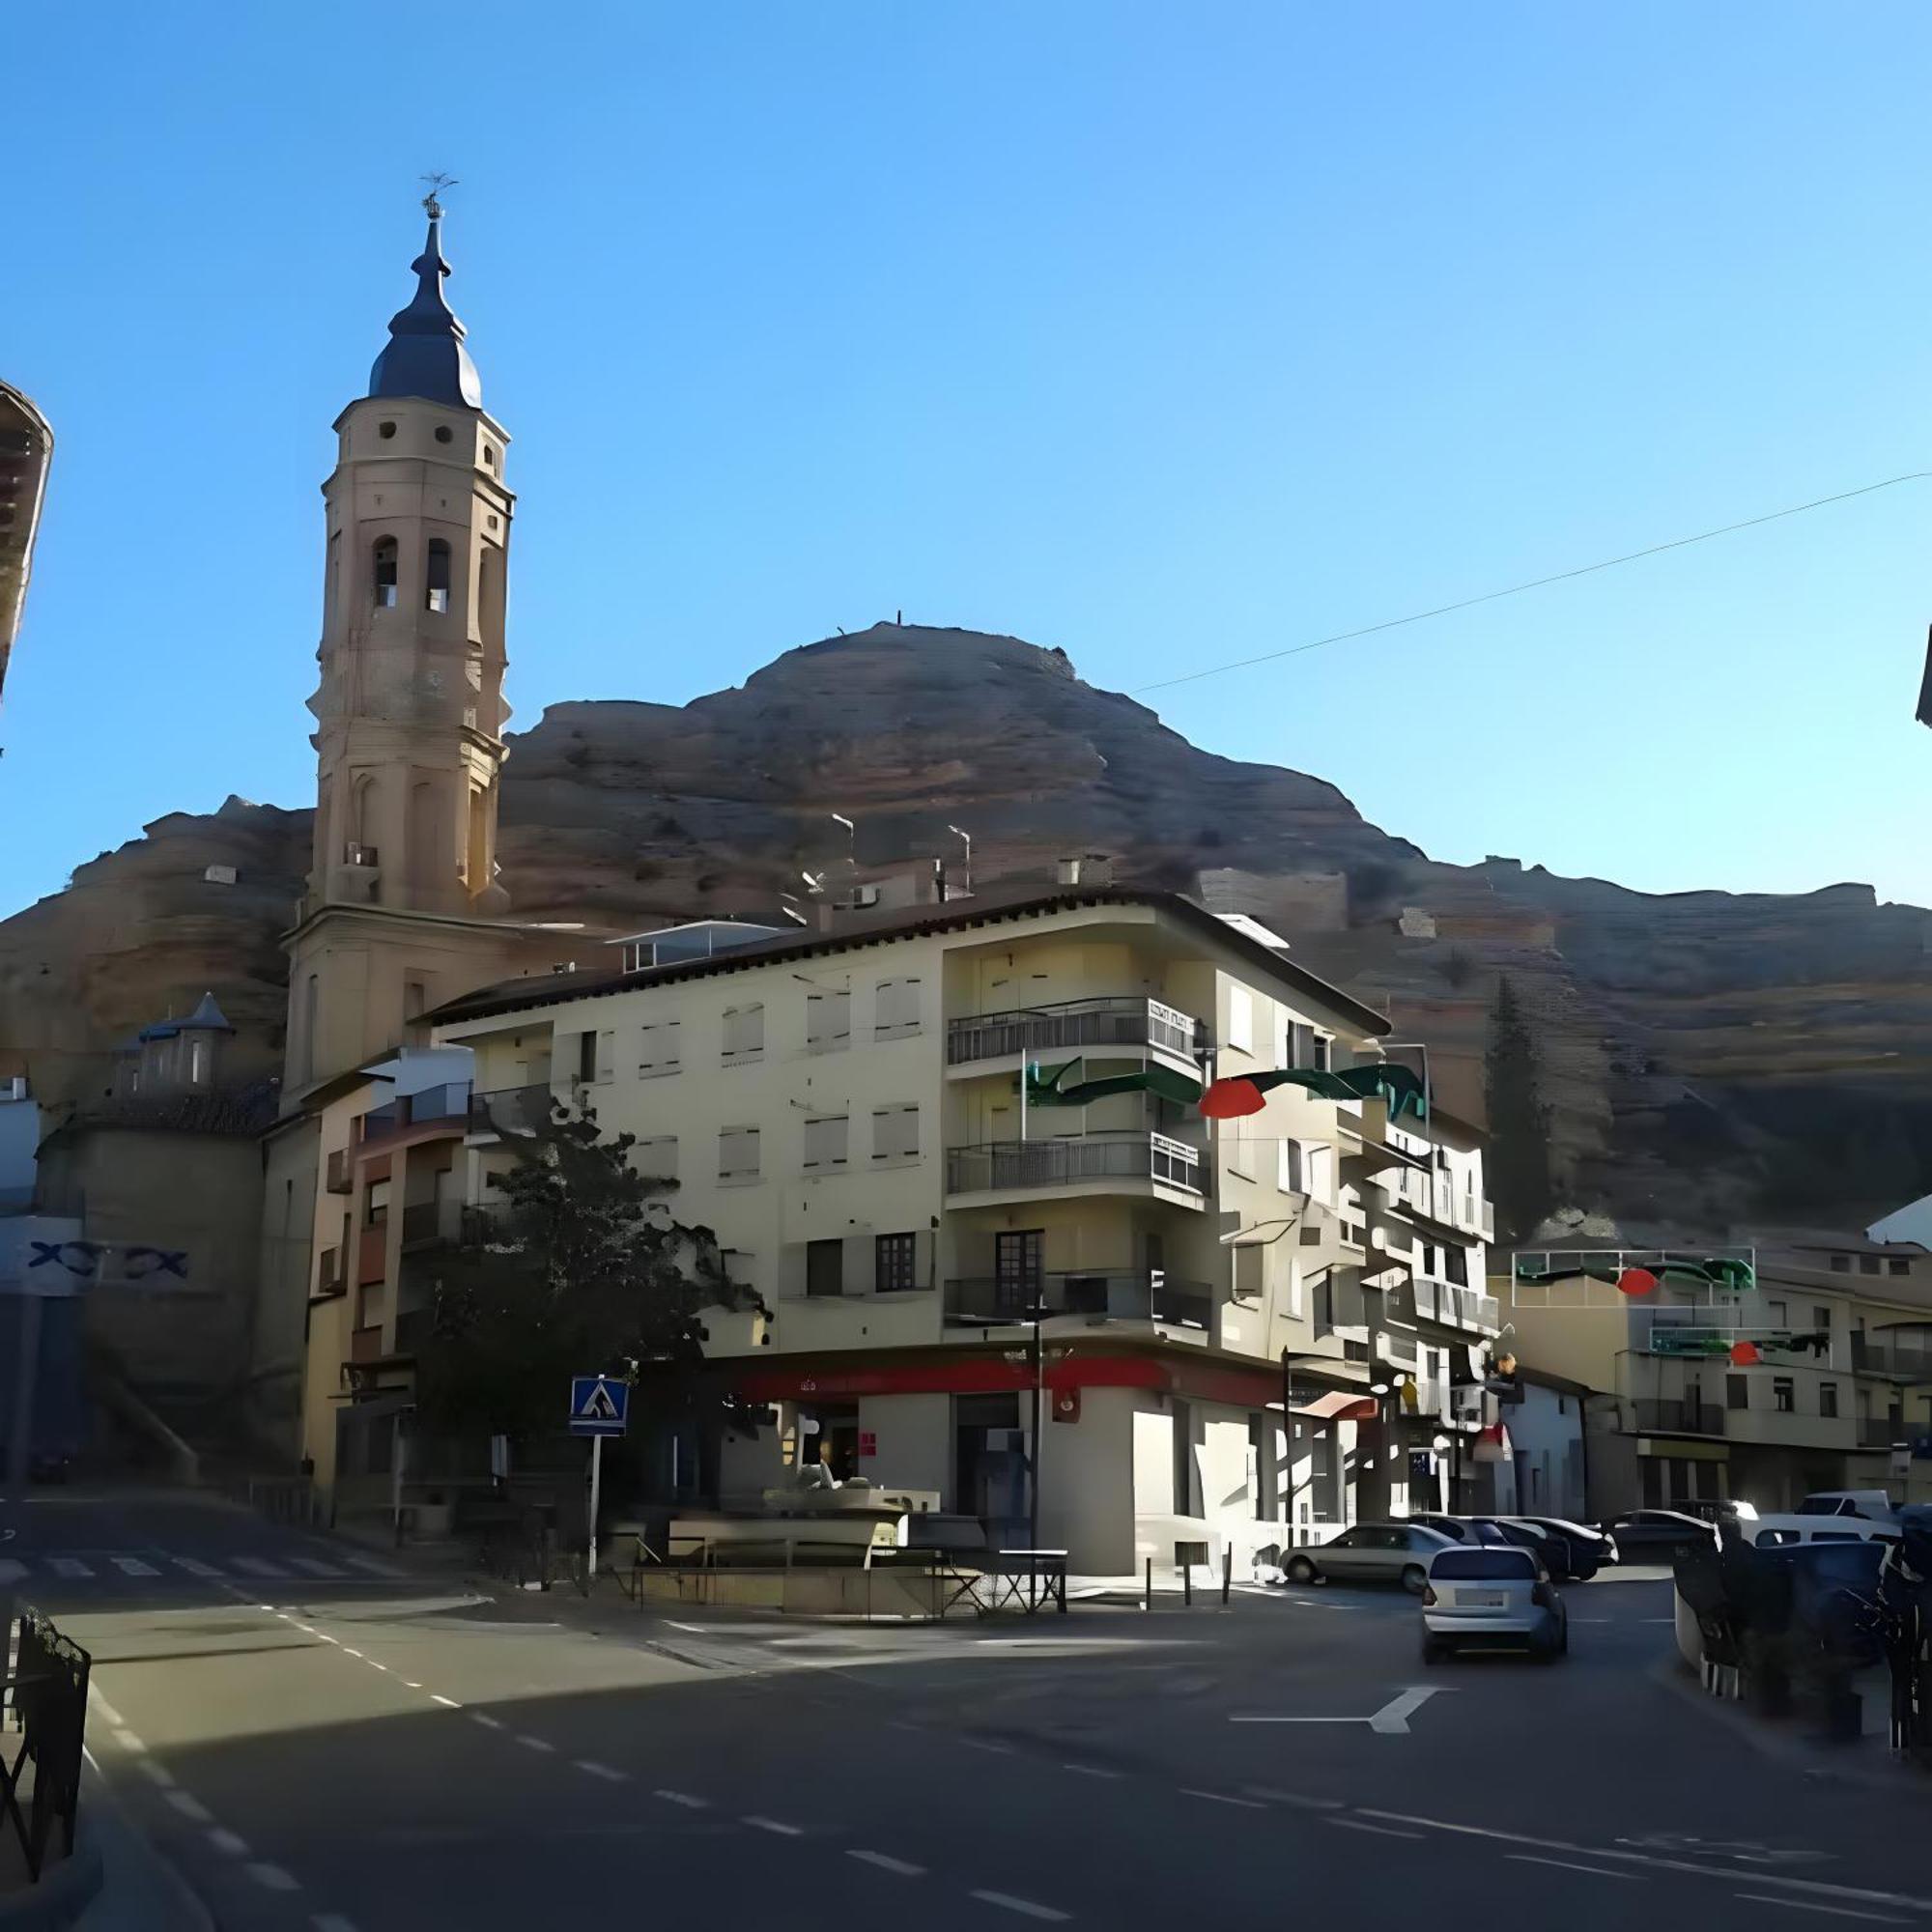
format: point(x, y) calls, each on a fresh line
point(1709, 1059)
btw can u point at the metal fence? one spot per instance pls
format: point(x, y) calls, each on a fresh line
point(1074, 1024)
point(1068, 1161)
point(47, 1695)
point(1124, 1296)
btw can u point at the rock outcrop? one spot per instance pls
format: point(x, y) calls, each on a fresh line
point(1710, 1060)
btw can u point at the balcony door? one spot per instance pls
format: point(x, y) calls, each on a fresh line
point(1018, 1269)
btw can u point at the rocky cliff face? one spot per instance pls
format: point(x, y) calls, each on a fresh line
point(1710, 1060)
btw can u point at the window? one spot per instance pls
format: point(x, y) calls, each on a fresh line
point(828, 1021)
point(435, 593)
point(737, 1154)
point(1241, 1149)
point(488, 457)
point(894, 1133)
point(1828, 1398)
point(385, 572)
point(894, 1009)
point(894, 1264)
point(587, 1056)
point(386, 430)
point(656, 1158)
point(1842, 1263)
point(376, 1207)
point(1777, 1311)
point(1240, 1018)
point(825, 1267)
point(825, 1142)
point(444, 434)
point(1736, 1392)
point(197, 1063)
point(658, 1049)
point(1325, 1053)
point(1456, 1266)
point(1319, 1162)
point(743, 1035)
point(1867, 1263)
point(1287, 1175)
point(1821, 1319)
point(1470, 1565)
point(1898, 1265)
point(1783, 1394)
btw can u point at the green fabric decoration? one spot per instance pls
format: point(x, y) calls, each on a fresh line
point(1393, 1084)
point(1043, 1088)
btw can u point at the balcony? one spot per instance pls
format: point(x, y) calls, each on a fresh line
point(1903, 1361)
point(365, 1345)
point(364, 855)
point(434, 1104)
point(341, 1177)
point(427, 1221)
point(1457, 1307)
point(1072, 1026)
point(330, 1277)
point(984, 1301)
point(510, 1110)
point(1077, 1160)
point(372, 1255)
point(1673, 1416)
point(1880, 1431)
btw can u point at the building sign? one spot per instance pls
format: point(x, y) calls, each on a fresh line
point(869, 1442)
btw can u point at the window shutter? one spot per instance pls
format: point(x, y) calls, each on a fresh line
point(894, 1009)
point(828, 1020)
point(737, 1154)
point(744, 1033)
point(656, 1158)
point(894, 1133)
point(658, 1048)
point(825, 1144)
point(1240, 1019)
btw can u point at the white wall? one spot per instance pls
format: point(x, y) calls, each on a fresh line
point(915, 1442)
point(1546, 1433)
point(20, 1138)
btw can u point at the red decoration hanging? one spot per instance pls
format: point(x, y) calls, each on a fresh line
point(1230, 1099)
point(1745, 1353)
point(1636, 1281)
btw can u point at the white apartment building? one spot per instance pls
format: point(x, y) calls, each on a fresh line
point(845, 1107)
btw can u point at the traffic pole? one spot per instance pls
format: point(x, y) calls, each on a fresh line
point(596, 1479)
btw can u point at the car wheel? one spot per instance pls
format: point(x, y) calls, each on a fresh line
point(1413, 1578)
point(1301, 1570)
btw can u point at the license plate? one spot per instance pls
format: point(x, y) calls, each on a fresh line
point(1481, 1599)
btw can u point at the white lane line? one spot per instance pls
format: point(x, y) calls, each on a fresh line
point(776, 1825)
point(1092, 1771)
point(258, 1566)
point(411, 1683)
point(356, 1654)
point(374, 1665)
point(128, 1741)
point(530, 1742)
point(327, 1638)
point(1025, 1906)
point(1863, 1894)
point(437, 1697)
point(313, 1566)
point(603, 1771)
point(685, 1798)
point(1392, 1719)
point(1802, 1905)
point(1381, 1831)
point(155, 1773)
point(227, 1841)
point(68, 1566)
point(273, 1878)
point(1222, 1798)
point(194, 1566)
point(885, 1862)
point(132, 1566)
point(101, 1705)
point(484, 1719)
point(1569, 1864)
point(1293, 1798)
point(190, 1808)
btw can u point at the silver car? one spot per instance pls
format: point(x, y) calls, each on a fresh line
point(1372, 1552)
point(1500, 1597)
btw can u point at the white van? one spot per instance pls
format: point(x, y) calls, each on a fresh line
point(1772, 1532)
point(1872, 1503)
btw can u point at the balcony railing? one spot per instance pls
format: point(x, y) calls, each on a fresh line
point(329, 1275)
point(510, 1110)
point(1677, 1417)
point(341, 1176)
point(450, 1103)
point(1068, 1162)
point(1880, 1431)
point(1903, 1361)
point(413, 1327)
point(1126, 1296)
point(365, 1345)
point(1460, 1307)
point(428, 1221)
point(1073, 1024)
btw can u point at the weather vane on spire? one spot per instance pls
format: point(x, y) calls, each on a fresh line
point(437, 183)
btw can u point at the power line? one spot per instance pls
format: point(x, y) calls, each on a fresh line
point(1535, 582)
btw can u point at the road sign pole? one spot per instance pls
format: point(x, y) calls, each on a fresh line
point(596, 1480)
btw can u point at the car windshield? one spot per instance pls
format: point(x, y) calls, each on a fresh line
point(1455, 1564)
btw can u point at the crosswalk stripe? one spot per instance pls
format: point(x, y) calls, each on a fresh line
point(313, 1566)
point(258, 1566)
point(132, 1566)
point(374, 1567)
point(68, 1566)
point(194, 1566)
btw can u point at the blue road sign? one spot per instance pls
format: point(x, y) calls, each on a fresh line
point(598, 1405)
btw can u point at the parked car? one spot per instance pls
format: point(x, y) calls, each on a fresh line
point(1459, 1528)
point(1651, 1535)
point(1491, 1596)
point(1372, 1552)
point(1779, 1532)
point(1549, 1548)
point(1589, 1548)
point(1874, 1504)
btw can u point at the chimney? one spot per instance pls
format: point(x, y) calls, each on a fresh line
point(1086, 868)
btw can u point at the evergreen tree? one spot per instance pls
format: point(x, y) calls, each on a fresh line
point(584, 1272)
point(1517, 1163)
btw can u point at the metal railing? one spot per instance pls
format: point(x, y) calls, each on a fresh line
point(1074, 1024)
point(1071, 1160)
point(1875, 1355)
point(1676, 1416)
point(449, 1102)
point(47, 1694)
point(330, 1277)
point(1147, 1295)
point(510, 1110)
point(1462, 1307)
point(341, 1176)
point(429, 1221)
point(1880, 1431)
point(365, 1345)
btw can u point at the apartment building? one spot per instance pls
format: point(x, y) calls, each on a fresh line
point(1812, 1370)
point(918, 1131)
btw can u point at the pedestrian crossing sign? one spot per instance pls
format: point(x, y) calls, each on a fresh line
point(598, 1405)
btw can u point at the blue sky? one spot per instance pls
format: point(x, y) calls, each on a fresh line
point(1168, 334)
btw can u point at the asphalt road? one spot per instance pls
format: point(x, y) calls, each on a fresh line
point(365, 1752)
